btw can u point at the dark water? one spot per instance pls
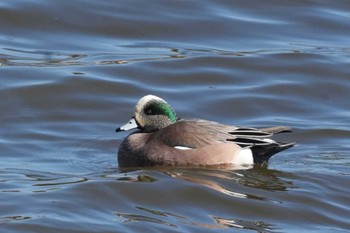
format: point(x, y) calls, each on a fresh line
point(71, 72)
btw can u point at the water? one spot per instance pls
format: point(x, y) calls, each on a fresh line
point(71, 72)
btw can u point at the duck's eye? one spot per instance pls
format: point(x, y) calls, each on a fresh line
point(149, 112)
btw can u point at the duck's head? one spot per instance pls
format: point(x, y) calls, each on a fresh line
point(151, 114)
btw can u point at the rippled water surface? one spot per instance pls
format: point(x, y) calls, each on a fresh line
point(71, 72)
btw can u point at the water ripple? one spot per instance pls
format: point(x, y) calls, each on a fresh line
point(147, 52)
point(20, 180)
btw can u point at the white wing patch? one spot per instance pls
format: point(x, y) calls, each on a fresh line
point(183, 148)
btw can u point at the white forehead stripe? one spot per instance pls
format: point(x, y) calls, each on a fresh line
point(142, 102)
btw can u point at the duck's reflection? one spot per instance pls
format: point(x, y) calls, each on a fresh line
point(224, 179)
point(248, 186)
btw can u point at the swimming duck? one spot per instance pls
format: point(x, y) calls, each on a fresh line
point(165, 139)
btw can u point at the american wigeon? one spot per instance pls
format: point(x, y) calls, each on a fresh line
point(165, 139)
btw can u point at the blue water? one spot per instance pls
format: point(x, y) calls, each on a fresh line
point(72, 71)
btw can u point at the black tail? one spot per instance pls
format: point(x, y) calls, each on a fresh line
point(262, 153)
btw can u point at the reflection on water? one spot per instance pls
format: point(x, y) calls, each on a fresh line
point(171, 197)
point(258, 226)
point(173, 220)
point(219, 180)
point(9, 219)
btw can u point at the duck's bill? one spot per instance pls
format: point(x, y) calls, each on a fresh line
point(130, 125)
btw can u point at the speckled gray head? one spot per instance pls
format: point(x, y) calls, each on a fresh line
point(151, 114)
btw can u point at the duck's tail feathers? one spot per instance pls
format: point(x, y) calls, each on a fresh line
point(262, 153)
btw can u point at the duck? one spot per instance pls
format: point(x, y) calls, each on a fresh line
point(163, 139)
